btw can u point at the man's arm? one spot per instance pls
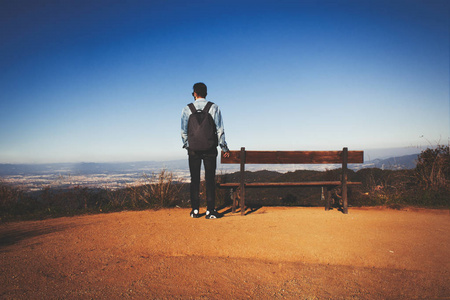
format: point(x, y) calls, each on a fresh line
point(220, 131)
point(184, 125)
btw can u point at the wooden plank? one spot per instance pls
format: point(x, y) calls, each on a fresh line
point(286, 184)
point(293, 184)
point(293, 157)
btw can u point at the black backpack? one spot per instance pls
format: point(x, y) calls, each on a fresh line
point(202, 133)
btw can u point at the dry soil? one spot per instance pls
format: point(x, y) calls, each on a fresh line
point(271, 253)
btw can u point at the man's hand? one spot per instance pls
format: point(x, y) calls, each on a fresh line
point(226, 154)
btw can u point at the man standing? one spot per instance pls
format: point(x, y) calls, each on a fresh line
point(201, 132)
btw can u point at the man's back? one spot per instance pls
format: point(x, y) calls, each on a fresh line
point(202, 133)
point(216, 115)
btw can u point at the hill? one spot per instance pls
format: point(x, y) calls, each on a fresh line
point(394, 163)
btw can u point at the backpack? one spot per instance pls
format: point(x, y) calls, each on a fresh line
point(202, 133)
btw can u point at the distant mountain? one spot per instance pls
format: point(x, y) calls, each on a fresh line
point(394, 163)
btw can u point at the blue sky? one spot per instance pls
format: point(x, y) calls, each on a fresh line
point(107, 80)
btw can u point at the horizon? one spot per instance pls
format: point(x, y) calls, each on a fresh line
point(106, 82)
point(369, 155)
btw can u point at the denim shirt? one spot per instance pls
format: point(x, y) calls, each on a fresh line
point(214, 111)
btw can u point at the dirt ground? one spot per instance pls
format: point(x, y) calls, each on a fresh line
point(271, 253)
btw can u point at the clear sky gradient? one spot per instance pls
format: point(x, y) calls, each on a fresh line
point(107, 80)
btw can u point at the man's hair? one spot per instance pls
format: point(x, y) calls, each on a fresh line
point(200, 89)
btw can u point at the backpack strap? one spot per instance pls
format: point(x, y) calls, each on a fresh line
point(192, 107)
point(208, 106)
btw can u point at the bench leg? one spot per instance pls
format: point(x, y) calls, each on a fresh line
point(344, 180)
point(242, 183)
point(344, 200)
point(233, 195)
point(328, 199)
point(242, 201)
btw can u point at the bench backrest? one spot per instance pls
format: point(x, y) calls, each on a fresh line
point(293, 157)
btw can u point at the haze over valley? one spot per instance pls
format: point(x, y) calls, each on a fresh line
point(33, 177)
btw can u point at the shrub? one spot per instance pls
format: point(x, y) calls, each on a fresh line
point(428, 185)
point(160, 190)
point(9, 196)
point(384, 187)
point(433, 168)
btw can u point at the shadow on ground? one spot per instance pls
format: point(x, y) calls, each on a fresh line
point(12, 236)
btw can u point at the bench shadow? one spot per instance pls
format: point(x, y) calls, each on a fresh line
point(229, 211)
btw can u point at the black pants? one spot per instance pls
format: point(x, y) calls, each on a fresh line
point(209, 159)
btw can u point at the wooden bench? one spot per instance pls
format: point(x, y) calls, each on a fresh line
point(244, 157)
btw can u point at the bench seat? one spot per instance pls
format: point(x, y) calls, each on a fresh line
point(286, 184)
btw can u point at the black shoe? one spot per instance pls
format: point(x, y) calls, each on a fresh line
point(195, 214)
point(213, 214)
